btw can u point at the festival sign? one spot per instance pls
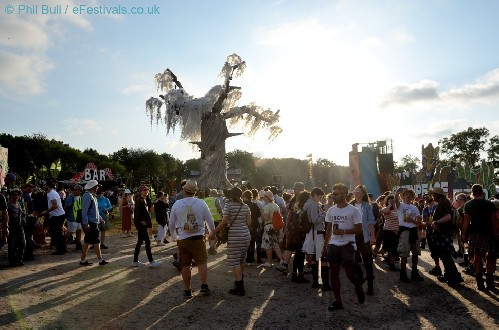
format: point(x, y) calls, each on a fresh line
point(92, 173)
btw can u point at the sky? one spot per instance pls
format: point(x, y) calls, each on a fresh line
point(341, 72)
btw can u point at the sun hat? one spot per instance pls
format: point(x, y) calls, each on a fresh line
point(91, 184)
point(299, 186)
point(269, 195)
point(191, 186)
point(439, 191)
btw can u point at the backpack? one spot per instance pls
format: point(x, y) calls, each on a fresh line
point(77, 209)
point(305, 223)
point(277, 221)
point(188, 220)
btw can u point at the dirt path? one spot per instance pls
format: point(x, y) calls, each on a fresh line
point(54, 292)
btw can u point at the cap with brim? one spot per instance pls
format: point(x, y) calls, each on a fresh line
point(15, 190)
point(127, 191)
point(77, 187)
point(144, 188)
point(91, 184)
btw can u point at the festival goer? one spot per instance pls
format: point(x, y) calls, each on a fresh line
point(71, 206)
point(443, 231)
point(90, 222)
point(188, 219)
point(16, 240)
point(391, 231)
point(237, 216)
point(56, 217)
point(294, 243)
point(253, 227)
point(314, 240)
point(127, 207)
point(216, 212)
point(270, 237)
point(161, 211)
point(105, 208)
point(460, 200)
point(428, 211)
point(478, 231)
point(4, 216)
point(343, 222)
point(367, 239)
point(409, 219)
point(142, 221)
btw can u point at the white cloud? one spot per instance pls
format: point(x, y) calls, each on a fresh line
point(80, 127)
point(25, 39)
point(401, 34)
point(136, 89)
point(23, 74)
point(440, 129)
point(484, 90)
point(407, 94)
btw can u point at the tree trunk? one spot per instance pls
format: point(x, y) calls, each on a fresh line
point(213, 162)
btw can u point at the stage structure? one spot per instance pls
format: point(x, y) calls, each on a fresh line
point(371, 166)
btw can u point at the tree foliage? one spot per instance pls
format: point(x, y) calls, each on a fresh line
point(465, 146)
point(407, 163)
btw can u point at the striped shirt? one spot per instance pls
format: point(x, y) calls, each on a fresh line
point(391, 221)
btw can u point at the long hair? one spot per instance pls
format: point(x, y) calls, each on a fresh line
point(365, 197)
point(302, 199)
point(235, 195)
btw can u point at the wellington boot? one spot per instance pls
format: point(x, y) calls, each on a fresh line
point(315, 276)
point(325, 278)
point(238, 289)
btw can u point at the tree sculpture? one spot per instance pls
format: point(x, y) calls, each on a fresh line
point(204, 120)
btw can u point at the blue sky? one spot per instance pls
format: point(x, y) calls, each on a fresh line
point(341, 72)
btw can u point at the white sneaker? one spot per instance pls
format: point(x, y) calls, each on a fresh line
point(154, 264)
point(160, 243)
point(138, 264)
point(124, 235)
point(267, 264)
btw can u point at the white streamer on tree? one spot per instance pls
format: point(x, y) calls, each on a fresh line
point(204, 120)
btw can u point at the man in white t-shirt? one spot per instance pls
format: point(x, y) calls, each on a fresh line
point(190, 235)
point(56, 215)
point(409, 219)
point(343, 221)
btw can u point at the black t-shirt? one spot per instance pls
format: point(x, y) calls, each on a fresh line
point(443, 208)
point(255, 214)
point(160, 208)
point(3, 203)
point(480, 212)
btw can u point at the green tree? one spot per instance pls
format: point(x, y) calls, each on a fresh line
point(408, 163)
point(493, 150)
point(239, 159)
point(465, 146)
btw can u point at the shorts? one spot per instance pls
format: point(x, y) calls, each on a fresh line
point(73, 226)
point(92, 234)
point(192, 249)
point(341, 255)
point(313, 244)
point(106, 225)
point(479, 245)
point(405, 248)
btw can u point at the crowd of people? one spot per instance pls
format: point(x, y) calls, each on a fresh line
point(294, 232)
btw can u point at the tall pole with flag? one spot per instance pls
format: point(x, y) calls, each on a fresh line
point(310, 169)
